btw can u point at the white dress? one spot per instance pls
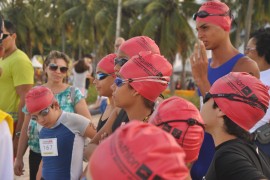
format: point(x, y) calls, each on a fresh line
point(79, 80)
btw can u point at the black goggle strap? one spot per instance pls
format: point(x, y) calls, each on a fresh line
point(176, 133)
point(248, 100)
point(204, 14)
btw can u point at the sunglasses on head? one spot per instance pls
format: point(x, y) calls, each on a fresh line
point(236, 97)
point(177, 132)
point(204, 14)
point(54, 67)
point(42, 113)
point(120, 61)
point(101, 76)
point(119, 82)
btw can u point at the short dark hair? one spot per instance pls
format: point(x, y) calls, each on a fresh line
point(11, 28)
point(233, 129)
point(88, 56)
point(81, 66)
point(262, 38)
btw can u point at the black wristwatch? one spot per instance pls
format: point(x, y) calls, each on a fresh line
point(17, 134)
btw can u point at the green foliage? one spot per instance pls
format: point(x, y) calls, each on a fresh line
point(92, 94)
point(194, 99)
point(85, 26)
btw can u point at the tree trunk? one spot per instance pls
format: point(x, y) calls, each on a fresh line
point(248, 20)
point(172, 81)
point(118, 19)
point(63, 39)
point(29, 45)
point(183, 73)
point(238, 31)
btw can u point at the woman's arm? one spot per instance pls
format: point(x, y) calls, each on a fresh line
point(22, 146)
point(107, 128)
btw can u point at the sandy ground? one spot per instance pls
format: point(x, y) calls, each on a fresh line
point(25, 159)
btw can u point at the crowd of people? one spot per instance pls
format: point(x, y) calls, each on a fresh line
point(140, 135)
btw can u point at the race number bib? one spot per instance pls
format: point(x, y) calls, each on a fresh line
point(48, 147)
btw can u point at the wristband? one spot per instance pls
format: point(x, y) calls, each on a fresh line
point(17, 134)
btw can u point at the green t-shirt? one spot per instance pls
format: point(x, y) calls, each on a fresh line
point(16, 69)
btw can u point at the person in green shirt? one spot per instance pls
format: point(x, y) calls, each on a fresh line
point(16, 78)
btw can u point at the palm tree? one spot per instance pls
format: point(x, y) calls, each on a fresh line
point(167, 23)
point(22, 16)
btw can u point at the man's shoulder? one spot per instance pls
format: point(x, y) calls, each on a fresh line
point(245, 64)
point(20, 54)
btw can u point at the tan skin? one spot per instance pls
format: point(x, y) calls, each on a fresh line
point(132, 103)
point(55, 83)
point(9, 46)
point(50, 120)
point(214, 38)
point(104, 89)
point(107, 128)
point(253, 54)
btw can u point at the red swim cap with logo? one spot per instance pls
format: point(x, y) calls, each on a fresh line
point(248, 98)
point(216, 7)
point(38, 98)
point(107, 63)
point(182, 119)
point(137, 44)
point(138, 151)
point(147, 64)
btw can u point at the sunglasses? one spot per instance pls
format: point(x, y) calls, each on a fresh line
point(120, 61)
point(101, 76)
point(176, 132)
point(204, 14)
point(54, 67)
point(4, 36)
point(247, 49)
point(236, 97)
point(119, 82)
point(42, 113)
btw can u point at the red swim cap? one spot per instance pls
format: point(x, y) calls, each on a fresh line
point(187, 133)
point(216, 7)
point(254, 98)
point(107, 63)
point(38, 98)
point(144, 65)
point(138, 151)
point(137, 44)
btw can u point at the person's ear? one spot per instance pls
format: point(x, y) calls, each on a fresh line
point(220, 113)
point(56, 106)
point(135, 93)
point(14, 36)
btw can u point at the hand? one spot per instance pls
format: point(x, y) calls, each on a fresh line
point(87, 152)
point(199, 63)
point(18, 167)
point(103, 136)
